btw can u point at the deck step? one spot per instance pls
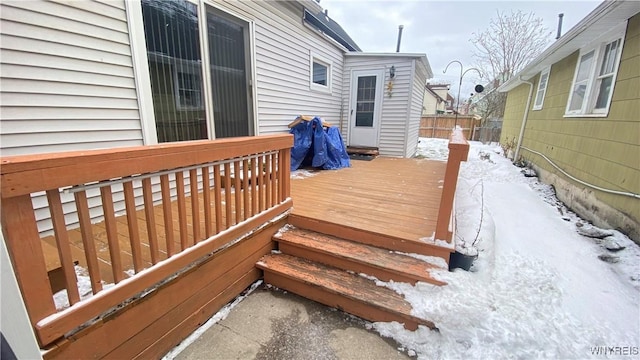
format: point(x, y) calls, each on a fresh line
point(370, 238)
point(373, 151)
point(348, 255)
point(338, 288)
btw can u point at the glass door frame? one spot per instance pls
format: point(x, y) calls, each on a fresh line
point(250, 63)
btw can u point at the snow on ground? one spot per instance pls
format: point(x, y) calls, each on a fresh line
point(538, 289)
point(432, 149)
point(61, 299)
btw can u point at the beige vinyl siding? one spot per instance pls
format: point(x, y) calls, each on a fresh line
point(429, 104)
point(67, 77)
point(282, 60)
point(415, 107)
point(67, 84)
point(395, 109)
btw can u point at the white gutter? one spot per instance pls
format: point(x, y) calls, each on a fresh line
point(524, 118)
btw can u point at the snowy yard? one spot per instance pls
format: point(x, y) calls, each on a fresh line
point(539, 289)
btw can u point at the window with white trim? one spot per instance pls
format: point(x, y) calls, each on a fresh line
point(319, 74)
point(595, 76)
point(542, 89)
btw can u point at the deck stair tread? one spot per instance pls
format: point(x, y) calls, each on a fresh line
point(348, 255)
point(338, 288)
point(340, 228)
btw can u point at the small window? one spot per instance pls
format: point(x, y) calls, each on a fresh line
point(320, 74)
point(542, 89)
point(594, 79)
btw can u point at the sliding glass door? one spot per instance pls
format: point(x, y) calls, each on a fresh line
point(178, 77)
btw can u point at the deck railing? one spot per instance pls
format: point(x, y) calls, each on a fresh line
point(234, 186)
point(458, 152)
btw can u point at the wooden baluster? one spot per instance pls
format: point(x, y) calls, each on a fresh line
point(195, 205)
point(227, 194)
point(267, 181)
point(62, 242)
point(86, 230)
point(112, 233)
point(147, 194)
point(206, 193)
point(217, 184)
point(286, 173)
point(260, 183)
point(182, 210)
point(281, 172)
point(132, 224)
point(237, 190)
point(274, 182)
point(168, 216)
point(245, 188)
point(254, 184)
point(23, 244)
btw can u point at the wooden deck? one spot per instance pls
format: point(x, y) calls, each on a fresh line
point(397, 198)
point(392, 204)
point(393, 197)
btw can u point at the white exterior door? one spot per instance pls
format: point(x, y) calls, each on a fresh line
point(365, 107)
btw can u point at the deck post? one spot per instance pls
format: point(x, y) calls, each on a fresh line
point(23, 244)
point(458, 152)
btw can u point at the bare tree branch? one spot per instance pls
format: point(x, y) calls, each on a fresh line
point(509, 43)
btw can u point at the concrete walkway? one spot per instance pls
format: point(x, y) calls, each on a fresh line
point(276, 325)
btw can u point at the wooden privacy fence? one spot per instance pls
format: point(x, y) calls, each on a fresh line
point(458, 152)
point(440, 126)
point(232, 187)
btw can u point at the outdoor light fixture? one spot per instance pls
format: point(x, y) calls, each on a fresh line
point(392, 72)
point(478, 88)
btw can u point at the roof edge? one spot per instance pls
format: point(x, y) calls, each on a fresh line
point(392, 54)
point(421, 56)
point(594, 16)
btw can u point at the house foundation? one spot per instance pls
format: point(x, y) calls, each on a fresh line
point(584, 202)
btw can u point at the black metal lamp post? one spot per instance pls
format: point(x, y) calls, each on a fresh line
point(462, 74)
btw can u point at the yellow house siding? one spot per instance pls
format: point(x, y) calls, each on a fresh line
point(604, 151)
point(513, 112)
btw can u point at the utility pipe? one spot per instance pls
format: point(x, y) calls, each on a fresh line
point(400, 27)
point(610, 191)
point(524, 119)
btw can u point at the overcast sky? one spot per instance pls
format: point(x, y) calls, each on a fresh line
point(441, 29)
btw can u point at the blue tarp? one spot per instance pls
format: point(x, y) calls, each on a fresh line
point(314, 146)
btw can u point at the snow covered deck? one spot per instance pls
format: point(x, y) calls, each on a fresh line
point(396, 199)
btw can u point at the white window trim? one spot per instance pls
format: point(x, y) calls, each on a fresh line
point(318, 59)
point(544, 72)
point(141, 71)
point(587, 109)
